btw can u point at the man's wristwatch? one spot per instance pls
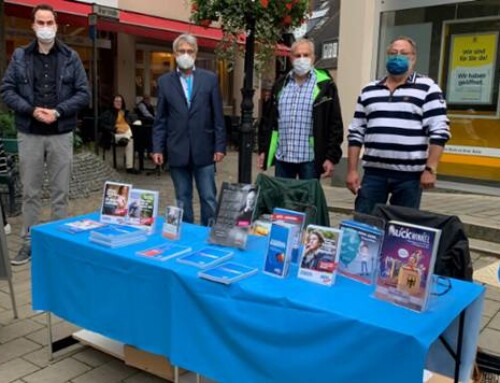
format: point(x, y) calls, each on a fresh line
point(57, 114)
point(430, 169)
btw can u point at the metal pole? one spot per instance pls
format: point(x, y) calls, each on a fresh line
point(247, 128)
point(95, 92)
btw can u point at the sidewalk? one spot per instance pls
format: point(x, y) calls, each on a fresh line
point(23, 343)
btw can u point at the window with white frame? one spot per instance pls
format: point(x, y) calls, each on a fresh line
point(330, 50)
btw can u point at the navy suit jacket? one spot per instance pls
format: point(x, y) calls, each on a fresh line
point(191, 134)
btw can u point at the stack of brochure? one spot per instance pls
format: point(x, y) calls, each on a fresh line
point(206, 257)
point(164, 251)
point(228, 273)
point(118, 235)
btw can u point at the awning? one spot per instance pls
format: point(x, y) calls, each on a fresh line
point(133, 23)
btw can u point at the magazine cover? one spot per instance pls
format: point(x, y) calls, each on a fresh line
point(173, 222)
point(291, 217)
point(206, 257)
point(143, 209)
point(359, 251)
point(228, 272)
point(406, 264)
point(319, 259)
point(279, 250)
point(234, 215)
point(80, 226)
point(164, 252)
point(115, 202)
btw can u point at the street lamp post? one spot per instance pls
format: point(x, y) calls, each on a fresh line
point(247, 128)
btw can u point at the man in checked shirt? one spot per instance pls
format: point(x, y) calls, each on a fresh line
point(303, 135)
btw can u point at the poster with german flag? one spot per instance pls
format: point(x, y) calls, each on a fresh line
point(472, 68)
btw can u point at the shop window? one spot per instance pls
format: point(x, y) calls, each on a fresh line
point(330, 50)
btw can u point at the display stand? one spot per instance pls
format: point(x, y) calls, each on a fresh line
point(5, 271)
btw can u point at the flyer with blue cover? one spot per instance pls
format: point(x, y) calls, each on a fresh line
point(228, 272)
point(206, 257)
point(279, 250)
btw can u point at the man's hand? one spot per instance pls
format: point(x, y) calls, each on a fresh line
point(157, 158)
point(260, 160)
point(218, 156)
point(353, 182)
point(47, 116)
point(328, 168)
point(427, 180)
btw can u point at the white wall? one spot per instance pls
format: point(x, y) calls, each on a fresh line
point(125, 68)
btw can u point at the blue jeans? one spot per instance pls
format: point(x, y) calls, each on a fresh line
point(376, 189)
point(304, 170)
point(205, 183)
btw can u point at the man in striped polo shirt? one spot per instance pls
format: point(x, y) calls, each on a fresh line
point(401, 122)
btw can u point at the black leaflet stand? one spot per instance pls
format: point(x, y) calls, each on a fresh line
point(5, 271)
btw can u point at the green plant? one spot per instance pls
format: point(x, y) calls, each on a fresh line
point(7, 126)
point(272, 19)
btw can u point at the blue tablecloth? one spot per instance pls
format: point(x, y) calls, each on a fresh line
point(261, 329)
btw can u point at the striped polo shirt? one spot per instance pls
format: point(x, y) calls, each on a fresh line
point(396, 128)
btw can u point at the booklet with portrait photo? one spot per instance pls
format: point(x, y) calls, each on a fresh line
point(114, 205)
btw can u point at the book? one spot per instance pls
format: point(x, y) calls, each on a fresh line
point(114, 206)
point(228, 273)
point(320, 254)
point(359, 251)
point(406, 264)
point(81, 225)
point(206, 257)
point(279, 249)
point(234, 215)
point(294, 218)
point(164, 251)
point(173, 222)
point(143, 209)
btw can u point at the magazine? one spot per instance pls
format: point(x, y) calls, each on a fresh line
point(228, 273)
point(206, 257)
point(117, 235)
point(80, 226)
point(143, 209)
point(294, 218)
point(234, 215)
point(320, 254)
point(164, 252)
point(173, 222)
point(115, 202)
point(359, 251)
point(406, 264)
point(279, 250)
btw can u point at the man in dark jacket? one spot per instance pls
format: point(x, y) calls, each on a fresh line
point(46, 85)
point(305, 130)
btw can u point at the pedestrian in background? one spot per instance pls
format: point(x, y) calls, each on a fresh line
point(305, 130)
point(46, 85)
point(401, 121)
point(190, 125)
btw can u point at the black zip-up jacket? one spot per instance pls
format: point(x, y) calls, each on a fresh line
point(328, 128)
point(17, 87)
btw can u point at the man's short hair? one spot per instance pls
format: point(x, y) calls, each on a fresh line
point(409, 40)
point(185, 38)
point(43, 7)
point(303, 41)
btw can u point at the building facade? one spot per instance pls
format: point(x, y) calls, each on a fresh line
point(458, 46)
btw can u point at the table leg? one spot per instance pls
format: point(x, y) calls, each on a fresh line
point(49, 335)
point(458, 358)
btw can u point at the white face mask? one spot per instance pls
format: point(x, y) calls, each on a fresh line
point(46, 35)
point(185, 61)
point(302, 65)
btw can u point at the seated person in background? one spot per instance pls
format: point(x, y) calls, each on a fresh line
point(145, 110)
point(117, 121)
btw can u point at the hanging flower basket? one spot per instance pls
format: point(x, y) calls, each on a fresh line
point(272, 19)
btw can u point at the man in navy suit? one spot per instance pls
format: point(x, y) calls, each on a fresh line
point(189, 123)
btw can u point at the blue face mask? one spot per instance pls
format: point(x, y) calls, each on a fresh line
point(397, 64)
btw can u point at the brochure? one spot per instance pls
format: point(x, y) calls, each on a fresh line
point(320, 254)
point(115, 199)
point(359, 251)
point(121, 243)
point(291, 217)
point(173, 222)
point(80, 226)
point(406, 264)
point(206, 257)
point(228, 273)
point(234, 215)
point(164, 251)
point(143, 209)
point(279, 250)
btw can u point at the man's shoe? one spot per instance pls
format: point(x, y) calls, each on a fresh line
point(133, 171)
point(7, 229)
point(23, 256)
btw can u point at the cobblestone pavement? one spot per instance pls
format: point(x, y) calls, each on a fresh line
point(23, 341)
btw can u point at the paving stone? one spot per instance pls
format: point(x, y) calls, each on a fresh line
point(39, 357)
point(59, 372)
point(493, 293)
point(490, 341)
point(16, 348)
point(93, 357)
point(495, 322)
point(15, 369)
point(114, 371)
point(59, 331)
point(490, 307)
point(144, 377)
point(18, 329)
